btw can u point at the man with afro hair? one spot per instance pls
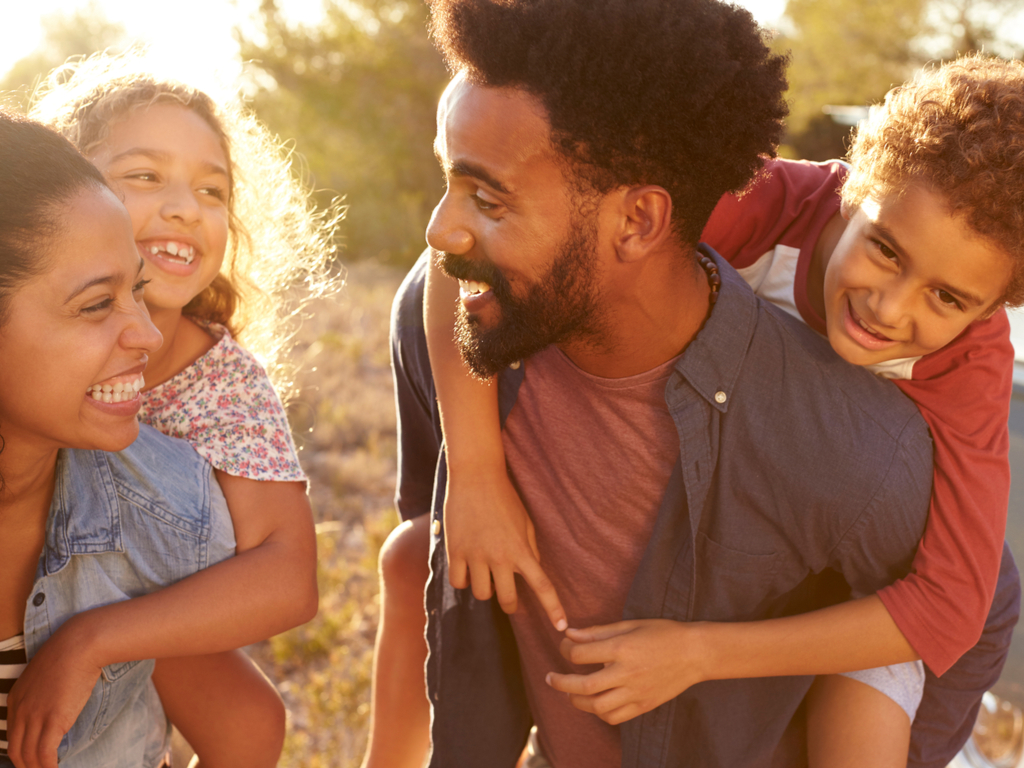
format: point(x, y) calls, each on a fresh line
point(687, 453)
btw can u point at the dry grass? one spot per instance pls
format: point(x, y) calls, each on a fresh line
point(344, 422)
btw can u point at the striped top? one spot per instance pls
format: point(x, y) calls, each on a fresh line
point(12, 663)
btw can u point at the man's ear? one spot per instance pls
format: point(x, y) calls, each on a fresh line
point(645, 218)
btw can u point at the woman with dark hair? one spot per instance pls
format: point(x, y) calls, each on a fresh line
point(82, 528)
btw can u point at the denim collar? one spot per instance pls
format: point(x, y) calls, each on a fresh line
point(713, 360)
point(84, 514)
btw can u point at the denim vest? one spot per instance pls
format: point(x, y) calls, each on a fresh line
point(123, 525)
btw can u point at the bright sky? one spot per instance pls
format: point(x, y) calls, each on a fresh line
point(198, 29)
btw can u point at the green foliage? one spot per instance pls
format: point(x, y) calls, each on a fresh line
point(77, 33)
point(358, 92)
point(851, 52)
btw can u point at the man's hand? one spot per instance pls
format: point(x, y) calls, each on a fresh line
point(488, 533)
point(47, 699)
point(646, 663)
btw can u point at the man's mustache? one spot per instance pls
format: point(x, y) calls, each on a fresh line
point(480, 271)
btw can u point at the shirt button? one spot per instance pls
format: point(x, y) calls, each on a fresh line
point(515, 365)
point(39, 599)
point(720, 397)
point(435, 527)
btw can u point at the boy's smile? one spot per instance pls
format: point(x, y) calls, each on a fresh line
point(906, 278)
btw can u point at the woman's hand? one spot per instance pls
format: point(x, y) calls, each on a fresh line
point(48, 697)
point(646, 663)
point(488, 534)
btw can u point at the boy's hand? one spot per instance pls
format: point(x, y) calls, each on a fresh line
point(488, 534)
point(646, 663)
point(47, 699)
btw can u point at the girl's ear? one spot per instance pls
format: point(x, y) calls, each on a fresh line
point(646, 221)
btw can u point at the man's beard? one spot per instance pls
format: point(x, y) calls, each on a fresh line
point(559, 308)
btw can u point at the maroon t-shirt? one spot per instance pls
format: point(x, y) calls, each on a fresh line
point(591, 458)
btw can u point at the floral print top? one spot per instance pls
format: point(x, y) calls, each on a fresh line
point(225, 406)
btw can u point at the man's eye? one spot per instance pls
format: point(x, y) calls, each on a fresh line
point(482, 204)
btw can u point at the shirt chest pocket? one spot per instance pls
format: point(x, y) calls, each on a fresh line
point(733, 585)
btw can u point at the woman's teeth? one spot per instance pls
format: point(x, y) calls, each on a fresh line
point(174, 252)
point(116, 393)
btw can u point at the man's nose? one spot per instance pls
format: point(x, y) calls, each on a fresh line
point(446, 230)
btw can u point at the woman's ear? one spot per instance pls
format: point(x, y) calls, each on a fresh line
point(646, 221)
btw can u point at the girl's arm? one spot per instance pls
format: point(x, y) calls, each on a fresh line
point(488, 533)
point(270, 586)
point(858, 634)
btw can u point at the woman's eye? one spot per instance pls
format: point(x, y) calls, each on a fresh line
point(98, 307)
point(140, 285)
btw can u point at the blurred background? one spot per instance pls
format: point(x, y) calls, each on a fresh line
point(352, 86)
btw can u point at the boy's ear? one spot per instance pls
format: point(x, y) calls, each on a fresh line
point(992, 310)
point(847, 209)
point(645, 217)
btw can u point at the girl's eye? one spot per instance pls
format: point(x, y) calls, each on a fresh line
point(948, 299)
point(215, 192)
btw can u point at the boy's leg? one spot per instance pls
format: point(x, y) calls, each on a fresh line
point(850, 723)
point(225, 707)
point(399, 710)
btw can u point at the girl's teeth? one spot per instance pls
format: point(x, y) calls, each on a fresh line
point(116, 393)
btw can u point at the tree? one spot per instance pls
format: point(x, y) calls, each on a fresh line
point(358, 93)
point(78, 33)
point(853, 51)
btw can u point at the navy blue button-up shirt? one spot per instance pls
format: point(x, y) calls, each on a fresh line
point(807, 469)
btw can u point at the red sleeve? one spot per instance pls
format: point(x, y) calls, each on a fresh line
point(788, 204)
point(963, 391)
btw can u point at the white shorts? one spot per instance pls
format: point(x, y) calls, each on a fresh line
point(903, 683)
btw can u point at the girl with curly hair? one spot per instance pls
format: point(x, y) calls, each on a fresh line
point(905, 260)
point(234, 251)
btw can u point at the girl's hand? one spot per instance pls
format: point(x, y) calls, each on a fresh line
point(646, 663)
point(47, 699)
point(488, 534)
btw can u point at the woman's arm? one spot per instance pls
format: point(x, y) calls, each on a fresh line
point(488, 533)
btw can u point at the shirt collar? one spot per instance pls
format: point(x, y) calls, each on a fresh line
point(84, 515)
point(713, 360)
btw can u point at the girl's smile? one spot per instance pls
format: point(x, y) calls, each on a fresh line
point(172, 171)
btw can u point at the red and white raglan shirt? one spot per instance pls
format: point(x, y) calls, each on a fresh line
point(962, 390)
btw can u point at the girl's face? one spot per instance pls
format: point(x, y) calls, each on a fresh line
point(172, 172)
point(76, 331)
point(907, 278)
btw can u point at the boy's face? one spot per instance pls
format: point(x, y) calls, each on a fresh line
point(907, 278)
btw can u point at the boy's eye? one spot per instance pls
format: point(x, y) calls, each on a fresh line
point(947, 298)
point(886, 251)
point(142, 176)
